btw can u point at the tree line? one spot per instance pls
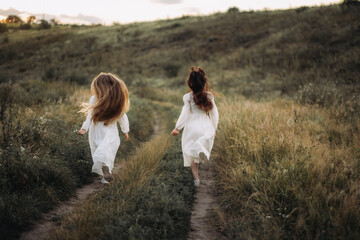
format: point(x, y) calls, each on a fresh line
point(14, 20)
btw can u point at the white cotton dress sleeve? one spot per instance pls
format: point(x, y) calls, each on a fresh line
point(199, 129)
point(185, 113)
point(87, 122)
point(214, 115)
point(124, 123)
point(104, 140)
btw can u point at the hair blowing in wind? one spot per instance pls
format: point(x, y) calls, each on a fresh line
point(197, 82)
point(112, 99)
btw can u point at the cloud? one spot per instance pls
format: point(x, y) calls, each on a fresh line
point(168, 1)
point(79, 19)
point(191, 10)
point(10, 11)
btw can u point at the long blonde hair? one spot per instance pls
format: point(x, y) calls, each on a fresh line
point(112, 99)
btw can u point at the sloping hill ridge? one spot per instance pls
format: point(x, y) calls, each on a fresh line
point(250, 53)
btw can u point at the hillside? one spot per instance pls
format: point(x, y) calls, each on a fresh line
point(287, 149)
point(249, 53)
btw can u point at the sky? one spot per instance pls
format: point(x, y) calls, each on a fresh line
point(125, 11)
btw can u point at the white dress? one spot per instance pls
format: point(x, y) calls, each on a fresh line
point(199, 131)
point(104, 140)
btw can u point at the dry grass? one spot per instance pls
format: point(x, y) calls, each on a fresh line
point(42, 158)
point(90, 220)
point(274, 158)
point(287, 171)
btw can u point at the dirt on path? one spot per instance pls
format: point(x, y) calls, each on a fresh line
point(41, 229)
point(204, 206)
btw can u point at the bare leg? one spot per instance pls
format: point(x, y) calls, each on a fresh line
point(195, 170)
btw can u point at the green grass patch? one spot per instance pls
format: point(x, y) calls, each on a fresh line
point(292, 53)
point(151, 198)
point(42, 159)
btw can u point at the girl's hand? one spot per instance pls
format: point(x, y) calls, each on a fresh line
point(175, 132)
point(126, 136)
point(81, 131)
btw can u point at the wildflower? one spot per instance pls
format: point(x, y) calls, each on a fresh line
point(22, 149)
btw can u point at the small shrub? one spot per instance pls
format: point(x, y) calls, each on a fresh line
point(3, 27)
point(50, 74)
point(351, 3)
point(13, 19)
point(175, 25)
point(7, 53)
point(25, 26)
point(171, 69)
point(322, 36)
point(44, 24)
point(77, 77)
point(233, 10)
point(6, 39)
point(301, 9)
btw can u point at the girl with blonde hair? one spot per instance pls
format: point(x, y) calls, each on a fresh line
point(199, 118)
point(107, 106)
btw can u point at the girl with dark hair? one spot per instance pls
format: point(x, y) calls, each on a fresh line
point(199, 118)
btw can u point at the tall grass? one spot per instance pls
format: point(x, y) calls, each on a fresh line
point(42, 159)
point(149, 199)
point(287, 171)
point(308, 54)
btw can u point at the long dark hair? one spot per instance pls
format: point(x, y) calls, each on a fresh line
point(197, 82)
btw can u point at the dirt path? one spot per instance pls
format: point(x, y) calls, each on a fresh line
point(204, 206)
point(41, 229)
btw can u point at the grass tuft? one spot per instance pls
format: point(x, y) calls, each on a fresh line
point(287, 171)
point(150, 198)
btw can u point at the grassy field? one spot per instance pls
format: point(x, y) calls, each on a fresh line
point(151, 198)
point(287, 149)
point(42, 158)
point(255, 54)
point(287, 171)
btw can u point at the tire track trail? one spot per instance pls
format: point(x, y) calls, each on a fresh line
point(41, 229)
point(204, 206)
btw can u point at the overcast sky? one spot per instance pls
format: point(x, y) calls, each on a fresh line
point(124, 11)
